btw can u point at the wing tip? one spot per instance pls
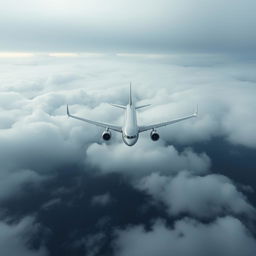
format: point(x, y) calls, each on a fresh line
point(68, 111)
point(196, 111)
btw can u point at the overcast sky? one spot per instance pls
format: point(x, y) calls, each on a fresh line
point(144, 26)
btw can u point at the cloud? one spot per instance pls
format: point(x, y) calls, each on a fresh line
point(182, 85)
point(225, 236)
point(37, 145)
point(224, 102)
point(41, 143)
point(145, 157)
point(14, 238)
point(200, 196)
point(39, 137)
point(13, 182)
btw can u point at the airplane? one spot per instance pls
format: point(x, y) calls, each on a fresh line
point(130, 130)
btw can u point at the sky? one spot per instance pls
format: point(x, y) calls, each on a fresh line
point(148, 26)
point(64, 191)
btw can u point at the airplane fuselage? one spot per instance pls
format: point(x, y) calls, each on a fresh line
point(130, 129)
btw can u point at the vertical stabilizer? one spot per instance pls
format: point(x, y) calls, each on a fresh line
point(130, 98)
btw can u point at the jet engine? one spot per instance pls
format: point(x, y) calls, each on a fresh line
point(106, 135)
point(154, 135)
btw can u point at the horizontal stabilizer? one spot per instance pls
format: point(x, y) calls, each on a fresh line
point(143, 106)
point(118, 106)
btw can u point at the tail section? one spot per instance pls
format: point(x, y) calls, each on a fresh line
point(130, 97)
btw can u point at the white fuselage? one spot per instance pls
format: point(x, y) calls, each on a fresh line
point(130, 130)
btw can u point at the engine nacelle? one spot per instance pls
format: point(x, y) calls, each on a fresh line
point(106, 135)
point(154, 135)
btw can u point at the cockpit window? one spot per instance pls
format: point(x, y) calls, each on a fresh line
point(130, 137)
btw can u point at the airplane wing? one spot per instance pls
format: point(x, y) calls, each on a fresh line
point(154, 126)
point(104, 125)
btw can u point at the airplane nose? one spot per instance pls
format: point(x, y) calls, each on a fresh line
point(131, 142)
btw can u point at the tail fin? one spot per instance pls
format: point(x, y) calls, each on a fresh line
point(130, 97)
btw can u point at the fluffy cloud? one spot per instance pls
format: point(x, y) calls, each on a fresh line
point(225, 99)
point(145, 157)
point(201, 196)
point(34, 94)
point(38, 136)
point(226, 236)
point(37, 146)
point(14, 238)
point(38, 139)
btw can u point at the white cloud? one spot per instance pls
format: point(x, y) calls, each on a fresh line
point(37, 137)
point(34, 121)
point(37, 145)
point(145, 157)
point(226, 236)
point(201, 196)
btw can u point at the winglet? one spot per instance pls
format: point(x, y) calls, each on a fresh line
point(196, 111)
point(68, 111)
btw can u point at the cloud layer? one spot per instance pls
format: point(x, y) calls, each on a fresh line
point(201, 196)
point(48, 154)
point(13, 238)
point(145, 157)
point(225, 236)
